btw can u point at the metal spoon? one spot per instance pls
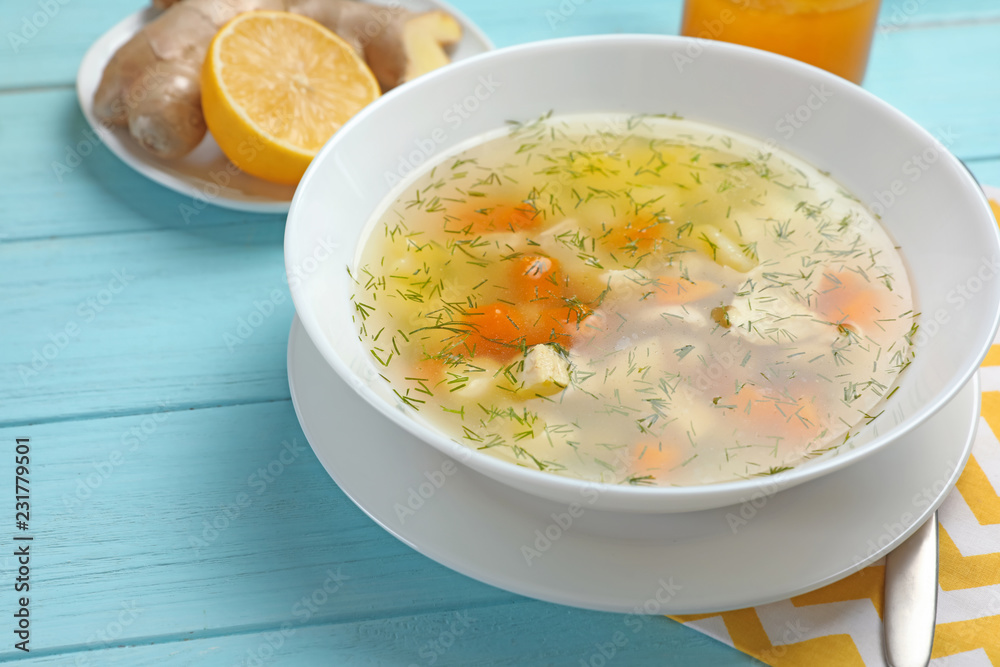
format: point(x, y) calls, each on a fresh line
point(911, 586)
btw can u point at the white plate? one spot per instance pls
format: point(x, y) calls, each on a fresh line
point(192, 175)
point(768, 549)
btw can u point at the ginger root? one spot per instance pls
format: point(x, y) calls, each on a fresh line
point(152, 84)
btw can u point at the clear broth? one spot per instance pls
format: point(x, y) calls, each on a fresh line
point(716, 309)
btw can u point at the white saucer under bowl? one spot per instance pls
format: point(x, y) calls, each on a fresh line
point(193, 174)
point(767, 549)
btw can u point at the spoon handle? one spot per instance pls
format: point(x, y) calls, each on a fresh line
point(911, 586)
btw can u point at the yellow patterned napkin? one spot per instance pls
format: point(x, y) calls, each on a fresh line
point(840, 625)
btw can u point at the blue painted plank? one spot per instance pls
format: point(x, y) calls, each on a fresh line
point(523, 21)
point(511, 635)
point(162, 527)
point(60, 180)
point(115, 324)
point(986, 172)
point(947, 80)
point(49, 55)
point(44, 40)
point(204, 520)
point(919, 14)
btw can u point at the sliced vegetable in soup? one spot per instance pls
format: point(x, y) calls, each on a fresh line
point(641, 300)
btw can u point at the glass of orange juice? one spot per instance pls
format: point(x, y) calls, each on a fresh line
point(833, 34)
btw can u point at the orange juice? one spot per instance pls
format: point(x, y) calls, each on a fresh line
point(833, 34)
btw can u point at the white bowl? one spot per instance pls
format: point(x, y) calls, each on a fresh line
point(927, 199)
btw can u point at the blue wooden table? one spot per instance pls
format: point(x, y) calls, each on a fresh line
point(155, 539)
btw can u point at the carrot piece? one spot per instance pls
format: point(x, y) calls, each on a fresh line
point(651, 454)
point(488, 217)
point(774, 414)
point(584, 327)
point(534, 277)
point(549, 325)
point(497, 328)
point(502, 330)
point(431, 370)
point(674, 290)
point(847, 298)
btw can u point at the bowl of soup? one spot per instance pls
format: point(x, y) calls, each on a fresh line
point(664, 274)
